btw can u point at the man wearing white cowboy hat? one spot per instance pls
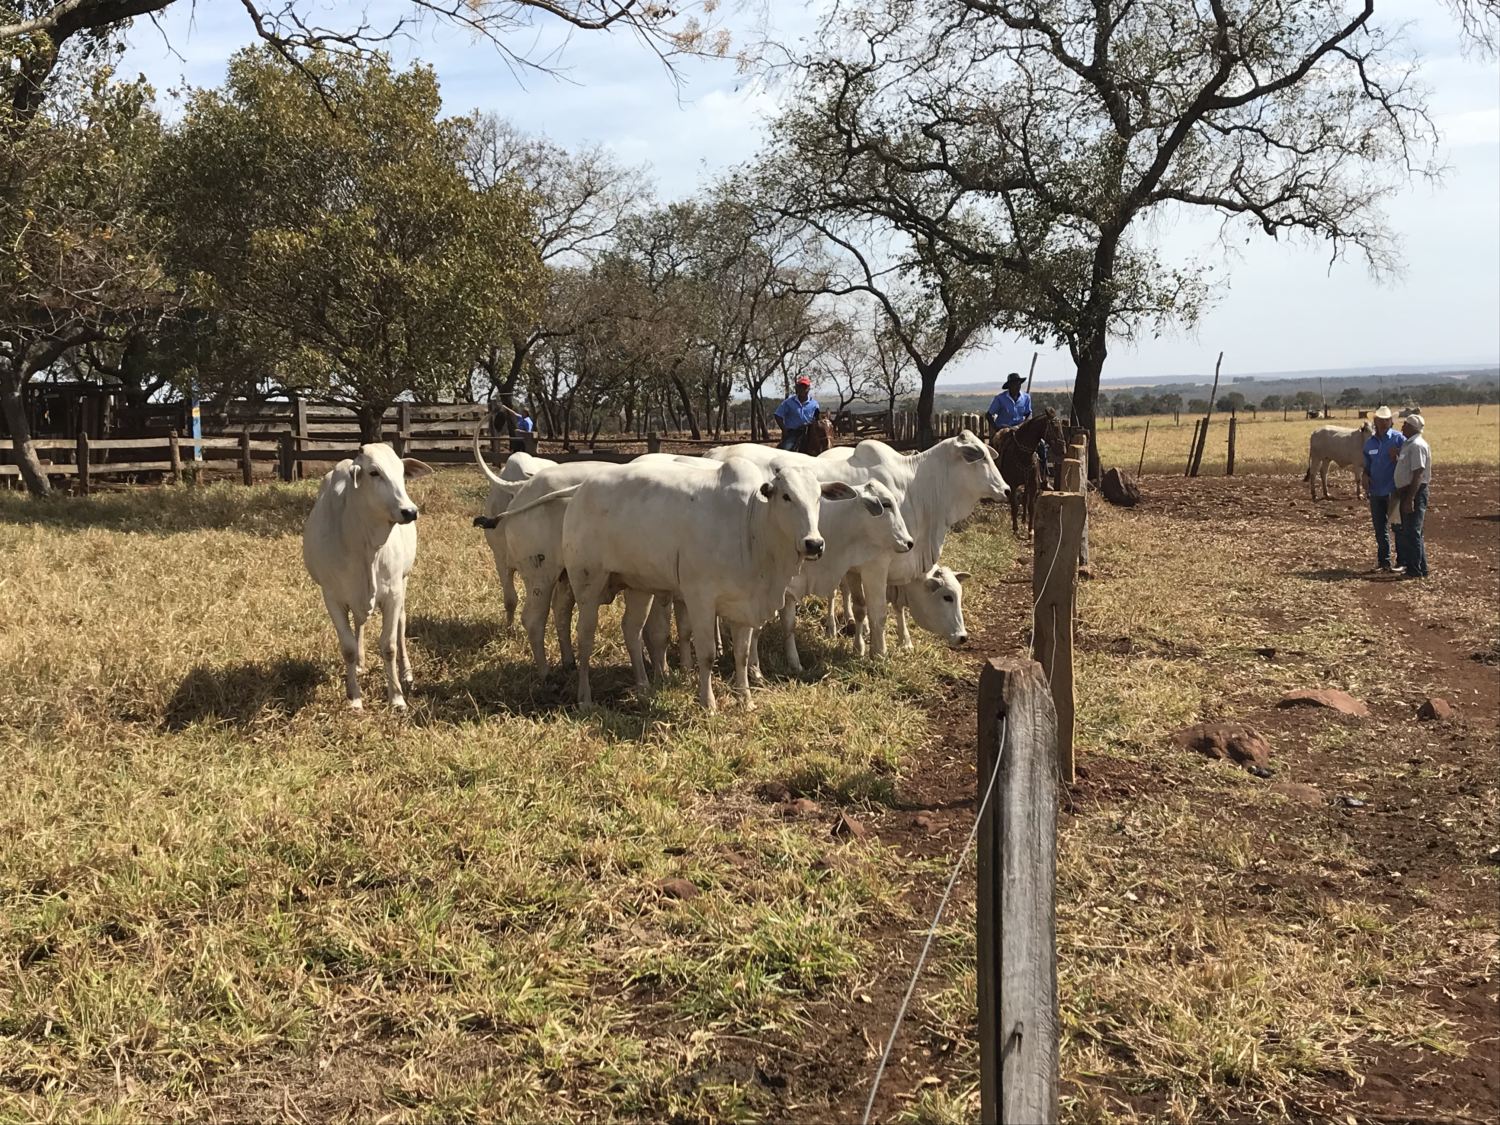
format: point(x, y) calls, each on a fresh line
point(1413, 473)
point(795, 414)
point(1381, 449)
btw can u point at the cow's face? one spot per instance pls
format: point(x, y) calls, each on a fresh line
point(880, 503)
point(975, 457)
point(936, 601)
point(793, 495)
point(380, 477)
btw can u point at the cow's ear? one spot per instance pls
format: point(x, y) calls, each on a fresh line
point(416, 470)
point(766, 489)
point(971, 453)
point(837, 490)
point(963, 575)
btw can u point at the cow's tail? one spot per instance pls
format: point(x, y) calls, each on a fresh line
point(489, 523)
point(495, 477)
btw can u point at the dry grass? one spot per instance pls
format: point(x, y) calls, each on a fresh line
point(222, 894)
point(1459, 435)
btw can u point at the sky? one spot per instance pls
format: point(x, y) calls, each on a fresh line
point(1284, 308)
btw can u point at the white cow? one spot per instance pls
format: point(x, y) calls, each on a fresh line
point(1340, 446)
point(936, 602)
point(727, 540)
point(519, 468)
point(856, 534)
point(359, 544)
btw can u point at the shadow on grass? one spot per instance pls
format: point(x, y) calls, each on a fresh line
point(243, 693)
point(263, 509)
point(451, 637)
point(1344, 574)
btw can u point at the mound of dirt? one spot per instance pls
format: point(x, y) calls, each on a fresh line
point(1233, 742)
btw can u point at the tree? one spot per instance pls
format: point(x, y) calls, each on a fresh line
point(1231, 403)
point(1350, 397)
point(40, 34)
point(351, 236)
point(78, 263)
point(1043, 131)
point(578, 201)
point(1271, 402)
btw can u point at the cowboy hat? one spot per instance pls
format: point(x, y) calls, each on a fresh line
point(1415, 421)
point(1013, 379)
point(1384, 413)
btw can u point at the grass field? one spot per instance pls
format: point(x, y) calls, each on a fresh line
point(222, 894)
point(1459, 436)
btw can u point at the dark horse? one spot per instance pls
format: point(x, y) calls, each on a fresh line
point(818, 436)
point(1015, 455)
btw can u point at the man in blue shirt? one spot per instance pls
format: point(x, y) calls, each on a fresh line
point(1010, 408)
point(796, 414)
point(1381, 450)
point(521, 428)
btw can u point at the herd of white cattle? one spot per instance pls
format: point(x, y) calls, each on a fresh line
point(735, 537)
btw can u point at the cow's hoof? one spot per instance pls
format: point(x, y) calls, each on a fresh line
point(398, 704)
point(407, 686)
point(356, 705)
point(756, 677)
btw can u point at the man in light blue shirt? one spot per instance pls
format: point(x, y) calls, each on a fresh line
point(1381, 450)
point(796, 414)
point(1010, 408)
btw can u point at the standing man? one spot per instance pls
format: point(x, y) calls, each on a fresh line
point(1381, 449)
point(1413, 473)
point(796, 414)
point(521, 428)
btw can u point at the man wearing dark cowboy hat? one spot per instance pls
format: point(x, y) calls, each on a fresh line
point(523, 427)
point(1010, 408)
point(796, 414)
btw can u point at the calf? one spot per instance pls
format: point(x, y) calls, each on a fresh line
point(1340, 446)
point(519, 468)
point(359, 544)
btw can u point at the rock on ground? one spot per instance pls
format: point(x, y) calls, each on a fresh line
point(1120, 488)
point(1332, 698)
point(1233, 742)
point(1437, 709)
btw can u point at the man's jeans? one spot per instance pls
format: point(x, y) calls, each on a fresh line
point(792, 439)
point(1413, 548)
point(1379, 505)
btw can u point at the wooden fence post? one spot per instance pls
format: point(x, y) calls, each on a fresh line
point(653, 442)
point(299, 429)
point(1229, 462)
point(286, 455)
point(247, 466)
point(174, 448)
point(1141, 464)
point(1056, 545)
point(403, 428)
point(83, 463)
point(1192, 448)
point(1079, 452)
point(1016, 922)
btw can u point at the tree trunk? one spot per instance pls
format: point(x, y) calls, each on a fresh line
point(1089, 362)
point(687, 406)
point(14, 405)
point(929, 377)
point(370, 417)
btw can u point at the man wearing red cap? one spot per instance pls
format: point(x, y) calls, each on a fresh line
point(796, 414)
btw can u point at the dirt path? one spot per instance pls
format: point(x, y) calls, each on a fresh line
point(1424, 828)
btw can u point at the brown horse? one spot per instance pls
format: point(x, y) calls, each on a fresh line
point(1015, 456)
point(818, 436)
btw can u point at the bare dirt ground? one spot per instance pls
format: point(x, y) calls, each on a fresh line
point(1423, 796)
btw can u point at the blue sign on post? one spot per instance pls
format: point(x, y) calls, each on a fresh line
point(197, 432)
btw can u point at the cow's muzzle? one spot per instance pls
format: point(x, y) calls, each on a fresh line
point(489, 523)
point(408, 515)
point(812, 548)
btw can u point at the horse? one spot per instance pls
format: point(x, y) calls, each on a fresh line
point(818, 436)
point(1015, 456)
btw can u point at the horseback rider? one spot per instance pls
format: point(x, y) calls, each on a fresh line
point(796, 414)
point(1010, 408)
